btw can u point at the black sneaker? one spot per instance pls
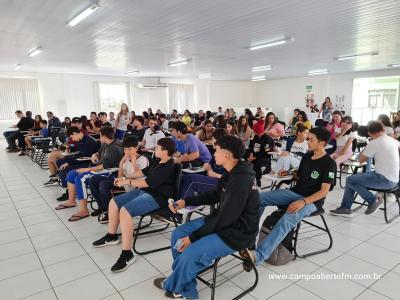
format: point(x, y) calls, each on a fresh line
point(107, 240)
point(374, 206)
point(52, 176)
point(341, 211)
point(63, 197)
point(159, 282)
point(103, 218)
point(123, 262)
point(173, 295)
point(52, 181)
point(96, 213)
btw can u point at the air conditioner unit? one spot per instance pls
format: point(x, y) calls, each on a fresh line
point(151, 83)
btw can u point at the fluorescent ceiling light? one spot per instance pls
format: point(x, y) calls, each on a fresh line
point(346, 57)
point(270, 44)
point(258, 78)
point(317, 72)
point(132, 72)
point(18, 66)
point(179, 62)
point(35, 52)
point(84, 14)
point(261, 68)
point(203, 76)
point(394, 66)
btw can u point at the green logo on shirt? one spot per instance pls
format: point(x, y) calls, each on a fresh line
point(314, 174)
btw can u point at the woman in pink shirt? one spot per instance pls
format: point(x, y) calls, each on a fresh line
point(273, 128)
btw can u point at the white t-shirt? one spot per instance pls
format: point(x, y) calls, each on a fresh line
point(129, 170)
point(123, 121)
point(165, 125)
point(385, 151)
point(342, 140)
point(299, 147)
point(389, 130)
point(152, 138)
point(112, 122)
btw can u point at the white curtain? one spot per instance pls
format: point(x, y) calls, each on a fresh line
point(18, 94)
point(181, 97)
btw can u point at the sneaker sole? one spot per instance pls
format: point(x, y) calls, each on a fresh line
point(127, 265)
point(103, 222)
point(114, 243)
point(342, 215)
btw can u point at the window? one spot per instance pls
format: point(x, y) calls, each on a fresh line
point(18, 94)
point(374, 96)
point(112, 95)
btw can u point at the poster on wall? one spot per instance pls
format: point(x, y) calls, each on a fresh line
point(339, 103)
point(310, 97)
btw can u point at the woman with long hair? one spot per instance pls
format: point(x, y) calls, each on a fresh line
point(84, 120)
point(344, 142)
point(303, 119)
point(250, 117)
point(273, 128)
point(384, 119)
point(36, 123)
point(122, 121)
point(205, 134)
point(186, 118)
point(220, 122)
point(231, 128)
point(66, 124)
point(244, 130)
point(326, 109)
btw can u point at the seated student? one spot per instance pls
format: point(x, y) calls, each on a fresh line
point(231, 128)
point(344, 142)
point(163, 121)
point(152, 135)
point(25, 123)
point(205, 133)
point(316, 174)
point(385, 151)
point(137, 128)
point(103, 119)
point(244, 130)
point(196, 153)
point(303, 119)
point(153, 193)
point(112, 119)
point(32, 139)
point(258, 148)
point(93, 125)
point(296, 149)
point(101, 186)
point(273, 128)
point(109, 156)
point(232, 226)
point(192, 184)
point(57, 154)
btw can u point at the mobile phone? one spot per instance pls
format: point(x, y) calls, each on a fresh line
point(178, 244)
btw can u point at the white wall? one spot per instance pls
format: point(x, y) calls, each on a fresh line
point(283, 95)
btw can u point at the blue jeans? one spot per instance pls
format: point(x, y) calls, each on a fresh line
point(284, 225)
point(101, 187)
point(359, 183)
point(195, 183)
point(136, 202)
point(119, 134)
point(193, 259)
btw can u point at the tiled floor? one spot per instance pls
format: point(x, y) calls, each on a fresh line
point(42, 256)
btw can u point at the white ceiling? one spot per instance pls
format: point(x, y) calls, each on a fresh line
point(130, 34)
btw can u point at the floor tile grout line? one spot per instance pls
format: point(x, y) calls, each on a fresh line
point(79, 244)
point(44, 270)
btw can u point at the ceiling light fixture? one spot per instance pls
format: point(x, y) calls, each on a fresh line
point(346, 57)
point(258, 78)
point(270, 44)
point(261, 68)
point(84, 14)
point(35, 52)
point(204, 76)
point(179, 62)
point(132, 72)
point(18, 66)
point(317, 72)
point(394, 66)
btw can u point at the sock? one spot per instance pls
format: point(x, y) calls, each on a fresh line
point(113, 236)
point(127, 253)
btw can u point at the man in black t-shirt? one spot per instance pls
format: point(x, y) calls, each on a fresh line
point(103, 119)
point(153, 193)
point(316, 175)
point(258, 150)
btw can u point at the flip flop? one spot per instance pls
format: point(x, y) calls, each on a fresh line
point(74, 218)
point(62, 206)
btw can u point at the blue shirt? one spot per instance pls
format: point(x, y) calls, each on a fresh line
point(193, 144)
point(44, 132)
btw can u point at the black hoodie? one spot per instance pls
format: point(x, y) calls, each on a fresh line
point(236, 218)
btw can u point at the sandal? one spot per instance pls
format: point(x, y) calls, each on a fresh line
point(63, 206)
point(74, 218)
